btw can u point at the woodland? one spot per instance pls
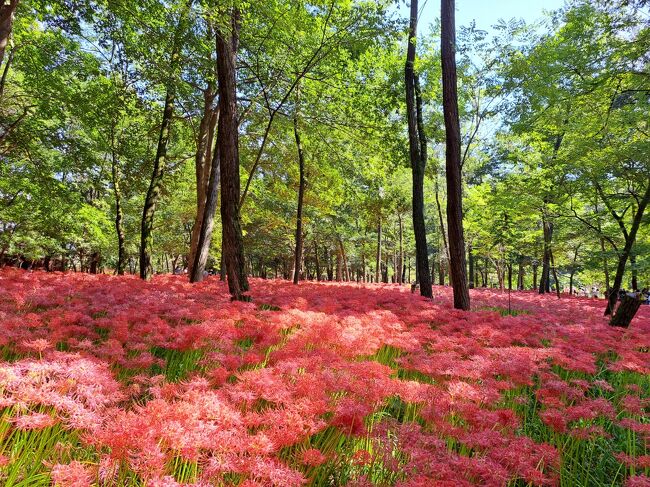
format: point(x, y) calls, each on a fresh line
point(324, 243)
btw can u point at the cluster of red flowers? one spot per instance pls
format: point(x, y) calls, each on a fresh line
point(161, 374)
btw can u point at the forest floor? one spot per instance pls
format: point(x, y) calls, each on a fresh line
point(113, 381)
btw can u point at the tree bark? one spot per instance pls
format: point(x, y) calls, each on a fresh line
point(301, 195)
point(630, 304)
point(418, 156)
point(115, 176)
point(7, 12)
point(400, 266)
point(203, 167)
point(545, 278)
point(471, 265)
point(228, 143)
point(630, 238)
point(378, 266)
point(146, 227)
point(317, 262)
point(155, 185)
point(207, 223)
point(557, 281)
point(458, 266)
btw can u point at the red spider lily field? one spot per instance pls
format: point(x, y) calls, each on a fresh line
point(116, 381)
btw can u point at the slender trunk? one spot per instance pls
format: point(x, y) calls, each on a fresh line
point(573, 269)
point(509, 276)
point(203, 167)
point(339, 264)
point(486, 265)
point(318, 275)
point(545, 279)
point(301, 195)
point(150, 202)
point(458, 266)
point(5, 71)
point(7, 12)
point(555, 278)
point(624, 255)
point(155, 185)
point(346, 271)
point(470, 252)
point(441, 221)
point(378, 266)
point(117, 192)
point(520, 274)
point(418, 156)
point(535, 276)
point(400, 265)
point(228, 143)
point(207, 223)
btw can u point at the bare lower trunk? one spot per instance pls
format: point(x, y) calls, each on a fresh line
point(151, 200)
point(400, 260)
point(378, 266)
point(458, 266)
point(301, 195)
point(545, 278)
point(115, 176)
point(418, 156)
point(630, 238)
point(228, 143)
point(203, 167)
point(207, 224)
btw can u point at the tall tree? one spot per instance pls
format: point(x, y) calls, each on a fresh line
point(417, 154)
point(457, 265)
point(301, 194)
point(228, 148)
point(155, 185)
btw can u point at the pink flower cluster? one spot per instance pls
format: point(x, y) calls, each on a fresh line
point(262, 381)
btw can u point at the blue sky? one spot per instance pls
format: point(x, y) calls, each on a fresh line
point(488, 12)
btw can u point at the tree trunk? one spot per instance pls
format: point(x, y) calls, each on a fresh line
point(400, 260)
point(418, 156)
point(115, 175)
point(378, 266)
point(635, 272)
point(573, 269)
point(339, 264)
point(228, 143)
point(155, 185)
point(318, 274)
point(94, 262)
point(203, 167)
point(146, 227)
point(301, 194)
point(207, 223)
point(346, 272)
point(7, 11)
point(545, 278)
point(629, 243)
point(471, 266)
point(630, 304)
point(535, 266)
point(557, 281)
point(458, 266)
